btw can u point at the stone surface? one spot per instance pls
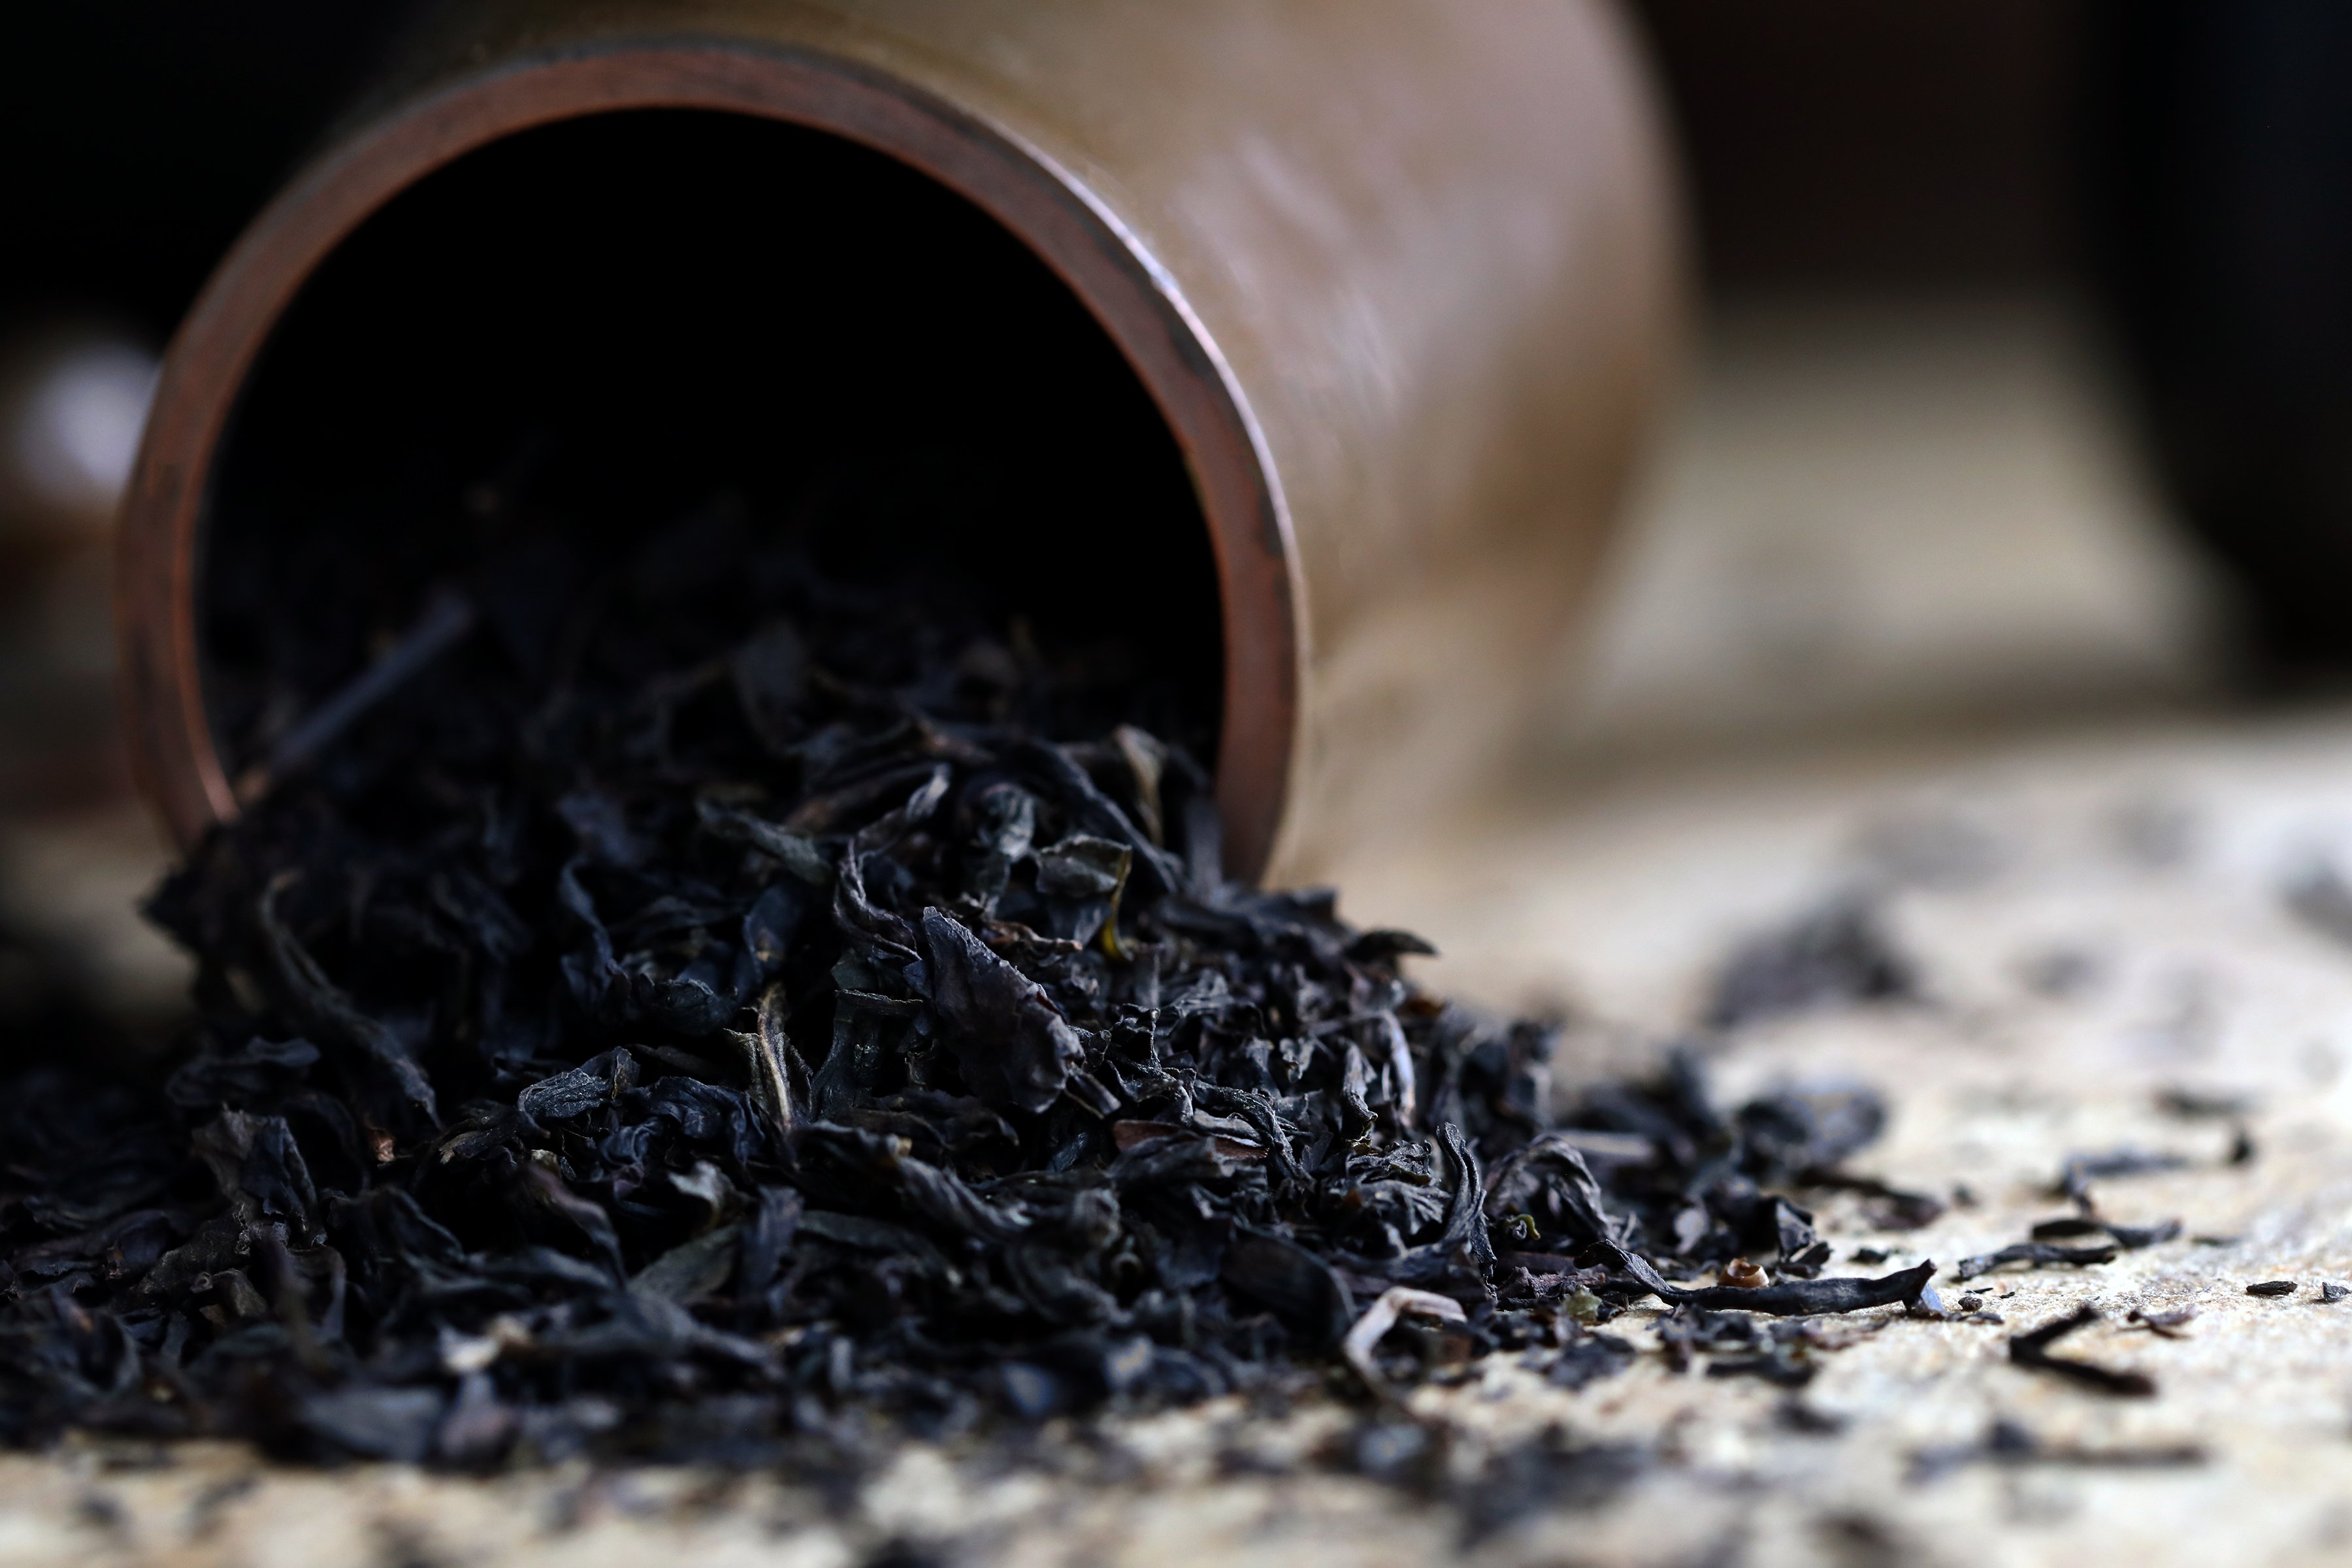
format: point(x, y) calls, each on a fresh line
point(1888, 515)
point(2098, 918)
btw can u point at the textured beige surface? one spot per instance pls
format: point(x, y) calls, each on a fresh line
point(2006, 561)
point(1891, 510)
point(2147, 859)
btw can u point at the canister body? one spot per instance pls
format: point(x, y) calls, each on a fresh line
point(1403, 278)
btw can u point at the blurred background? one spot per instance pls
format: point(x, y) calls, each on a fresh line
point(2028, 375)
point(2023, 396)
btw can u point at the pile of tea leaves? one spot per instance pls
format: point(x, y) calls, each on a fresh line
point(738, 1013)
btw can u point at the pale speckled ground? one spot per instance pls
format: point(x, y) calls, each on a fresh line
point(2151, 854)
point(1874, 514)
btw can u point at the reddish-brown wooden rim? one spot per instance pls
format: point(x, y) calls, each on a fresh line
point(1063, 223)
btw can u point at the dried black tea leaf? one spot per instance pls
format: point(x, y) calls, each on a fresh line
point(2317, 896)
point(2130, 1238)
point(2007, 1443)
point(1838, 955)
point(1299, 1286)
point(2166, 1323)
point(771, 672)
point(1891, 1207)
point(2201, 1105)
point(2081, 1170)
point(1794, 1298)
point(732, 1011)
point(1549, 1471)
point(2032, 1350)
point(1014, 1045)
point(1739, 1346)
point(2033, 1255)
point(1589, 1358)
point(1380, 1317)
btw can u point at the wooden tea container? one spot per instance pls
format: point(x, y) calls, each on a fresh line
point(1401, 277)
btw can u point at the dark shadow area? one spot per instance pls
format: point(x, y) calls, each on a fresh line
point(690, 354)
point(2221, 198)
point(2184, 165)
point(1844, 145)
point(137, 137)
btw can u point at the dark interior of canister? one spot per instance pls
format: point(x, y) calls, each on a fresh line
point(644, 333)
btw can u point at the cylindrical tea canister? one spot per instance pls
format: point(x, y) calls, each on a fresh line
point(1374, 296)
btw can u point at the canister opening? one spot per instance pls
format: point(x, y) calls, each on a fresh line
point(634, 331)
